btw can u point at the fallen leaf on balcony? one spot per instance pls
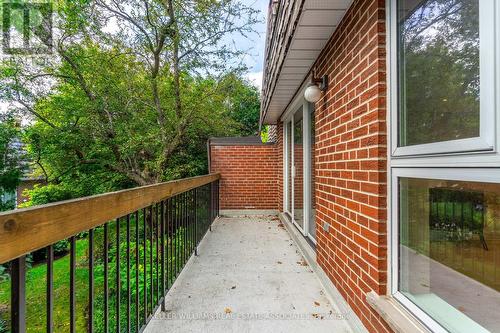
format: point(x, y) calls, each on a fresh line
point(302, 262)
point(228, 310)
point(315, 315)
point(316, 303)
point(279, 262)
point(281, 225)
point(233, 287)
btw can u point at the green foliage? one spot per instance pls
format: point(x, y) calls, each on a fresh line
point(10, 170)
point(4, 274)
point(61, 247)
point(243, 103)
point(134, 106)
point(3, 326)
point(44, 194)
point(36, 291)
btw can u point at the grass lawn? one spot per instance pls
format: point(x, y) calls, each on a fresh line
point(36, 278)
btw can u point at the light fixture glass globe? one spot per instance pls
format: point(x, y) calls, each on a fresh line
point(312, 93)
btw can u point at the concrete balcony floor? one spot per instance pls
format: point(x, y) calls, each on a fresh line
point(249, 276)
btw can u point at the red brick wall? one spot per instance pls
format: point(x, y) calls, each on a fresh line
point(279, 153)
point(351, 159)
point(249, 175)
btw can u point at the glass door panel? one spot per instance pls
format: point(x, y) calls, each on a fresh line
point(289, 166)
point(298, 172)
point(312, 210)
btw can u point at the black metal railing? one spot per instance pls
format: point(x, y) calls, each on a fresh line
point(119, 271)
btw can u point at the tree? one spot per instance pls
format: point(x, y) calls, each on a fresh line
point(10, 169)
point(440, 72)
point(126, 106)
point(244, 104)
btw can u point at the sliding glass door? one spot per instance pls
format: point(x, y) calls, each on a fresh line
point(288, 169)
point(312, 196)
point(299, 170)
point(298, 167)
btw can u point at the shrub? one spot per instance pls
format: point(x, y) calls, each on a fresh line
point(3, 326)
point(4, 273)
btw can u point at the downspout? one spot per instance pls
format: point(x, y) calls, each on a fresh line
point(209, 155)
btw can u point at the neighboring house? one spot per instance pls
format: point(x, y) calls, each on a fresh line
point(27, 183)
point(390, 169)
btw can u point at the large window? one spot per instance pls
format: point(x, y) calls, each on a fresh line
point(449, 249)
point(445, 167)
point(444, 76)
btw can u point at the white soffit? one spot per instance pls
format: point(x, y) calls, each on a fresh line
point(317, 23)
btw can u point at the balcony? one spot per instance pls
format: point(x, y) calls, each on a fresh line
point(249, 276)
point(159, 259)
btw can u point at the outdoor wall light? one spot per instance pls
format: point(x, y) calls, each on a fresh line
point(316, 87)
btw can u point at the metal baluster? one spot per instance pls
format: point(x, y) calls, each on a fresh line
point(91, 281)
point(181, 216)
point(174, 241)
point(195, 205)
point(192, 214)
point(170, 242)
point(188, 227)
point(128, 273)
point(183, 223)
point(191, 248)
point(118, 282)
point(106, 287)
point(72, 297)
point(137, 259)
point(151, 295)
point(50, 289)
point(18, 295)
point(145, 267)
point(162, 232)
point(185, 228)
point(157, 240)
point(210, 214)
point(178, 235)
point(186, 217)
point(176, 245)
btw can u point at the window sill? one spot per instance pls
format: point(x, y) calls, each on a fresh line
point(396, 316)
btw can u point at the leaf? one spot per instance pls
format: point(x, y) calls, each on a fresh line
point(228, 310)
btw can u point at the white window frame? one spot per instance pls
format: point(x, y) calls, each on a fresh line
point(307, 109)
point(286, 169)
point(299, 103)
point(481, 175)
point(291, 120)
point(486, 141)
point(476, 159)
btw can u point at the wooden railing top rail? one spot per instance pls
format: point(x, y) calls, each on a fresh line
point(25, 230)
